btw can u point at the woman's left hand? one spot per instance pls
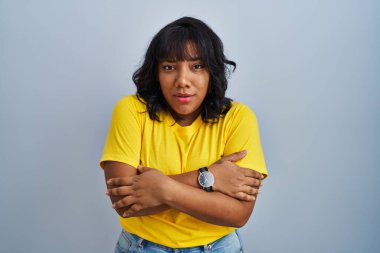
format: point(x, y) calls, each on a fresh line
point(142, 191)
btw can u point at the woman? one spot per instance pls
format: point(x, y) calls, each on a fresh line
point(183, 163)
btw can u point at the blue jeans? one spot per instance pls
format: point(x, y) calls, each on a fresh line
point(130, 243)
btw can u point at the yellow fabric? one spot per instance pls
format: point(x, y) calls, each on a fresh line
point(135, 139)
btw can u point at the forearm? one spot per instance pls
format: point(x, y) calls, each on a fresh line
point(212, 207)
point(231, 180)
point(150, 192)
point(151, 210)
point(188, 178)
point(116, 170)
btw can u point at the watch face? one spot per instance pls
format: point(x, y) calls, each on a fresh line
point(206, 179)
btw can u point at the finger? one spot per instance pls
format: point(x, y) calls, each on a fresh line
point(120, 181)
point(245, 197)
point(253, 173)
point(132, 210)
point(250, 190)
point(234, 157)
point(119, 191)
point(127, 201)
point(253, 182)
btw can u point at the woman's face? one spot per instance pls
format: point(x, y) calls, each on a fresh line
point(184, 85)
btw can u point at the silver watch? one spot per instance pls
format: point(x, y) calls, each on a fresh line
point(206, 179)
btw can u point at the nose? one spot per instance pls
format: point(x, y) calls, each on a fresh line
point(183, 78)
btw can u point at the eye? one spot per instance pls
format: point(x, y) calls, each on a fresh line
point(167, 67)
point(199, 66)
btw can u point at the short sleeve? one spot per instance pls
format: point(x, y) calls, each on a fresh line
point(242, 133)
point(123, 143)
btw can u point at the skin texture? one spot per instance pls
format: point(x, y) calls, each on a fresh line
point(152, 192)
point(145, 191)
point(184, 79)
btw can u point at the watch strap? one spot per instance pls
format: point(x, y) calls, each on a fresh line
point(208, 189)
point(203, 169)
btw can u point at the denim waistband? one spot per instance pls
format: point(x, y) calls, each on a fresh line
point(128, 242)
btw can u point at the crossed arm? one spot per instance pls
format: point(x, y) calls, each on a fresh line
point(150, 191)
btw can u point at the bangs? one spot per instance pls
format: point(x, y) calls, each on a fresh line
point(181, 45)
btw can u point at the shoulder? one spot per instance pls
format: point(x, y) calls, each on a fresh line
point(240, 116)
point(129, 108)
point(131, 102)
point(239, 110)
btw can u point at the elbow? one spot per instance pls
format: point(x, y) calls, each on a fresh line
point(243, 217)
point(120, 213)
point(244, 212)
point(240, 222)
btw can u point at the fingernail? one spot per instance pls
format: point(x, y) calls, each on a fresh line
point(125, 215)
point(107, 192)
point(113, 206)
point(108, 181)
point(244, 152)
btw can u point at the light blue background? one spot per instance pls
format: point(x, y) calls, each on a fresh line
point(309, 69)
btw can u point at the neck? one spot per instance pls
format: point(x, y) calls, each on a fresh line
point(185, 120)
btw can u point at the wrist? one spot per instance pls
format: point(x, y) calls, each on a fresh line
point(214, 171)
point(169, 189)
point(206, 179)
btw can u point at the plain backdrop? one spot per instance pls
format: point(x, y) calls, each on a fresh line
point(309, 70)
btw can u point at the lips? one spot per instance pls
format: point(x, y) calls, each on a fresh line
point(183, 97)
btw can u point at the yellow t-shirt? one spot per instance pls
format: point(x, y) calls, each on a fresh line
point(134, 139)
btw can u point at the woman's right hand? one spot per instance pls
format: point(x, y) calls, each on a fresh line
point(235, 181)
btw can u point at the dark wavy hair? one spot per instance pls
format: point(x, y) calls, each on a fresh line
point(172, 43)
